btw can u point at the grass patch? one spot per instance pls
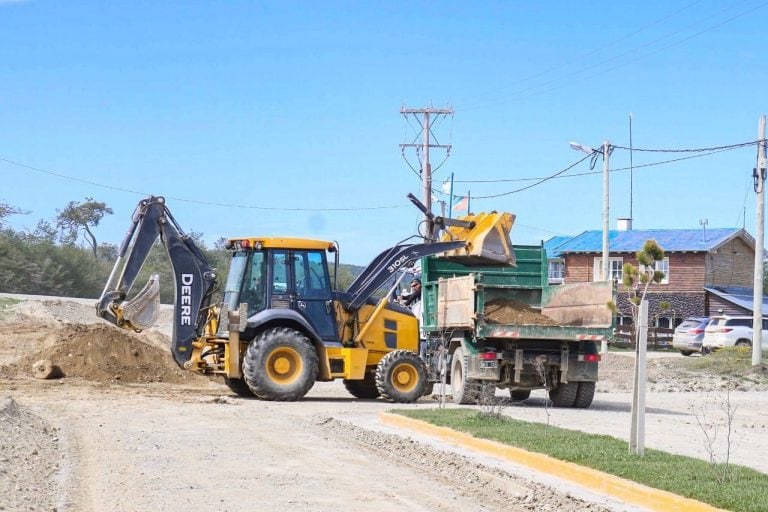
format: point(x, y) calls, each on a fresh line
point(728, 362)
point(745, 489)
point(6, 304)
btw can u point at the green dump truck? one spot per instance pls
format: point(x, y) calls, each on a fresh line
point(489, 327)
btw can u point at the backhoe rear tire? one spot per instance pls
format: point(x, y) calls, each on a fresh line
point(280, 364)
point(401, 376)
point(239, 387)
point(365, 389)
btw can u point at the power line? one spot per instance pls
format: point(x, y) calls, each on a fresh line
point(537, 183)
point(693, 150)
point(534, 90)
point(582, 58)
point(589, 173)
point(194, 201)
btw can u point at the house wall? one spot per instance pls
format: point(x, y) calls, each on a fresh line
point(715, 304)
point(686, 270)
point(731, 264)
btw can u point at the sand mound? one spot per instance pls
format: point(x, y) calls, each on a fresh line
point(102, 353)
point(507, 311)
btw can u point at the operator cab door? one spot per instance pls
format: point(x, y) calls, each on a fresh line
point(300, 281)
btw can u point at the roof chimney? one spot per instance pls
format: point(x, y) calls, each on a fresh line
point(624, 224)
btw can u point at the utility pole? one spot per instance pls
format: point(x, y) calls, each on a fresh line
point(759, 175)
point(606, 207)
point(428, 117)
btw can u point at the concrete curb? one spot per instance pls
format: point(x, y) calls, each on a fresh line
point(621, 489)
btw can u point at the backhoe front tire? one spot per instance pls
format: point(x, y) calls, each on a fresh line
point(239, 387)
point(401, 376)
point(365, 389)
point(280, 364)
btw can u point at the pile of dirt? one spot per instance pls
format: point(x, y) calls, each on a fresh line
point(507, 311)
point(101, 353)
point(30, 458)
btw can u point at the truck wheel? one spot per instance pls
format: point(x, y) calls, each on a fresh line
point(686, 352)
point(401, 376)
point(280, 364)
point(564, 395)
point(465, 391)
point(584, 395)
point(365, 388)
point(518, 395)
point(239, 387)
point(744, 343)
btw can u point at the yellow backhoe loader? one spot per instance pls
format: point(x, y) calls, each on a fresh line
point(282, 324)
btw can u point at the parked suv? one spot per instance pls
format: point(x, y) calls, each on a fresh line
point(732, 331)
point(689, 335)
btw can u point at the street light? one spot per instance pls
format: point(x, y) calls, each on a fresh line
point(606, 153)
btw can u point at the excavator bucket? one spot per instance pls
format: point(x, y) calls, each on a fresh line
point(142, 311)
point(487, 241)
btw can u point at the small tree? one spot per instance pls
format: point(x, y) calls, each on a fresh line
point(636, 280)
point(77, 217)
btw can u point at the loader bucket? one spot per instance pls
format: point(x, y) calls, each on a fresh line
point(142, 311)
point(488, 242)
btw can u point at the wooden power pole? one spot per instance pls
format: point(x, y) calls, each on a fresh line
point(426, 118)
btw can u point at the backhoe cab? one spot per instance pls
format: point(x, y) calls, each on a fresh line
point(282, 324)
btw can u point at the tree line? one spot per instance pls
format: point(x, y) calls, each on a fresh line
point(62, 256)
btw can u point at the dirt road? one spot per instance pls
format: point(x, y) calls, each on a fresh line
point(112, 441)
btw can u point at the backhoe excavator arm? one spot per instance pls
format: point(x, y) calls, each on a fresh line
point(194, 279)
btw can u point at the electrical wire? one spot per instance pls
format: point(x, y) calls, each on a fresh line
point(575, 175)
point(538, 182)
point(692, 150)
point(195, 201)
point(533, 89)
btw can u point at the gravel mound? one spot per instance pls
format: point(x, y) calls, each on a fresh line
point(29, 460)
point(103, 354)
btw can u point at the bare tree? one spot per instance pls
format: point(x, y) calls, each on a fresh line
point(7, 210)
point(710, 428)
point(79, 217)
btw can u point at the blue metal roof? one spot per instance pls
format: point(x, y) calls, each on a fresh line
point(670, 240)
point(742, 297)
point(554, 243)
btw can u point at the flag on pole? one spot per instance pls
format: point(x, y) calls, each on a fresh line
point(462, 204)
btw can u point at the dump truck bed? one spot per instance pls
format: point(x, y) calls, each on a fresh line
point(514, 302)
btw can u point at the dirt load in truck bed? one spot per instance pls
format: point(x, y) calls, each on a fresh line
point(508, 311)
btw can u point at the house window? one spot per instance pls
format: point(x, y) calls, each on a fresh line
point(660, 266)
point(615, 269)
point(556, 271)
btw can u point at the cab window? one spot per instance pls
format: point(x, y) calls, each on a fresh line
point(311, 275)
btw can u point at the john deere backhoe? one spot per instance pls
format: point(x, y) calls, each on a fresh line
point(282, 325)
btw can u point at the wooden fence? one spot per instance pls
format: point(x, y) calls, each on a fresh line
point(658, 337)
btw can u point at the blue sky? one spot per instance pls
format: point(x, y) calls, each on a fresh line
point(296, 105)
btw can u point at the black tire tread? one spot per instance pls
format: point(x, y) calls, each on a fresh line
point(257, 379)
point(584, 395)
point(239, 387)
point(384, 374)
point(564, 395)
point(365, 388)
